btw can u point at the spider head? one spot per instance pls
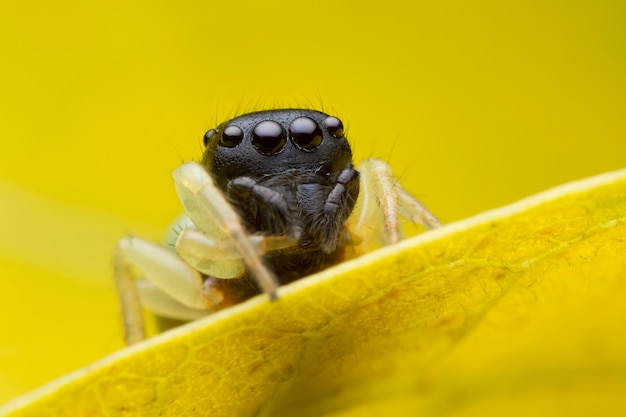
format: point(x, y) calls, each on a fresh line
point(276, 142)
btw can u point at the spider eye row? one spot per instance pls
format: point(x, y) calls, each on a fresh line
point(269, 137)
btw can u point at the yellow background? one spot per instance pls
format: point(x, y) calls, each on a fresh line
point(475, 105)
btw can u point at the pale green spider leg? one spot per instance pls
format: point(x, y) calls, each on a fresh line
point(382, 202)
point(214, 243)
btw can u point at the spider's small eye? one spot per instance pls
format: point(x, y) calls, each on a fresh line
point(268, 137)
point(231, 136)
point(305, 133)
point(334, 126)
point(207, 136)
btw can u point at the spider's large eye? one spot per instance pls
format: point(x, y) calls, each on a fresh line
point(231, 136)
point(207, 136)
point(268, 137)
point(305, 133)
point(334, 126)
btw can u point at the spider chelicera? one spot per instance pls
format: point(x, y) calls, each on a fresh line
point(275, 198)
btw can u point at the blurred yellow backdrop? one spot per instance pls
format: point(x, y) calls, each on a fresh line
point(475, 105)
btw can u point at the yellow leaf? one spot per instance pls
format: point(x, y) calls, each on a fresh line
point(517, 311)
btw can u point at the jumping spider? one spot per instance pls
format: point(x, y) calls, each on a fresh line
point(274, 200)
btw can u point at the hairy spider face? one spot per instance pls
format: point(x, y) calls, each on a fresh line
point(287, 173)
point(276, 142)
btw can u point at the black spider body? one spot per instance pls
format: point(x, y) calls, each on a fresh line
point(288, 172)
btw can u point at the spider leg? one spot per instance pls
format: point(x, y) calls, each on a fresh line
point(221, 258)
point(208, 208)
point(134, 257)
point(149, 275)
point(378, 192)
point(379, 189)
point(243, 189)
point(415, 211)
point(162, 304)
point(338, 206)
